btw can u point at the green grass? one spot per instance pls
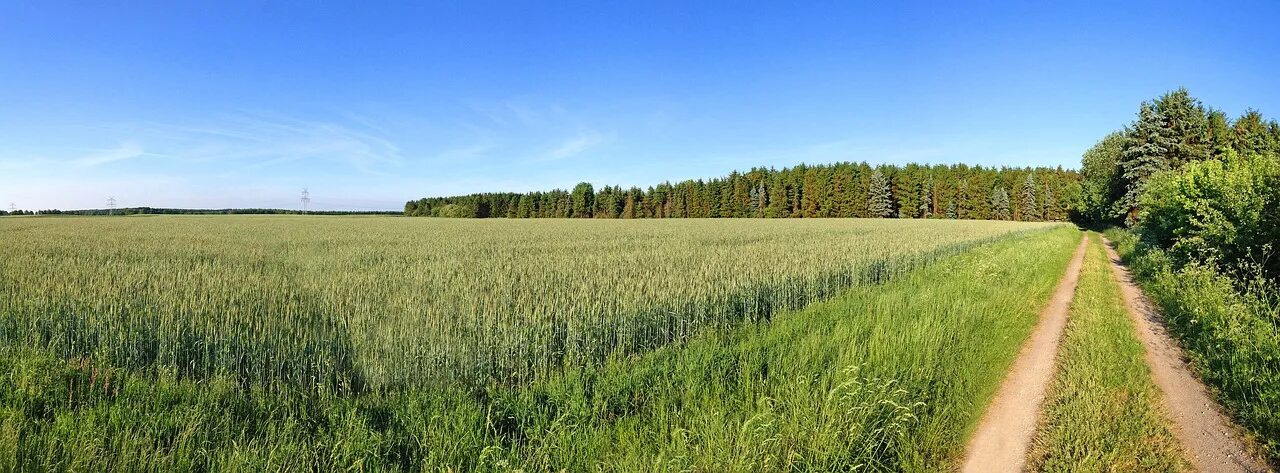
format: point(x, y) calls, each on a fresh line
point(1230, 334)
point(1103, 412)
point(891, 376)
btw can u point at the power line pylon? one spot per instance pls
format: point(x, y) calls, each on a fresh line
point(306, 200)
point(111, 205)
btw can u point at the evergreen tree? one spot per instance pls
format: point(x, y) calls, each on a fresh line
point(1000, 204)
point(879, 199)
point(1027, 206)
point(809, 201)
point(837, 190)
point(1149, 144)
point(760, 195)
point(1186, 122)
point(961, 201)
point(926, 199)
point(1049, 211)
point(1250, 135)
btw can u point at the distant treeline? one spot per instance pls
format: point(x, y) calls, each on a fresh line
point(163, 211)
point(802, 191)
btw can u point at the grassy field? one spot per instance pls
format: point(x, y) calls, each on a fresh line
point(1103, 412)
point(267, 342)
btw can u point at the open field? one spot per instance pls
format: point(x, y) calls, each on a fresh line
point(383, 302)
point(256, 343)
point(411, 342)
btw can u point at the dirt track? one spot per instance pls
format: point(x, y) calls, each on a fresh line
point(1004, 435)
point(1205, 434)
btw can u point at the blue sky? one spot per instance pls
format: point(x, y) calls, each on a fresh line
point(237, 104)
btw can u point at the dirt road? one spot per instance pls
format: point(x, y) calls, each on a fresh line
point(1206, 435)
point(1004, 435)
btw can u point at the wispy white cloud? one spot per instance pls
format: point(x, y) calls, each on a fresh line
point(259, 141)
point(583, 142)
point(126, 150)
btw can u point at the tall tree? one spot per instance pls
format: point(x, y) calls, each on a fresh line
point(1101, 186)
point(961, 200)
point(879, 200)
point(1149, 145)
point(1000, 204)
point(1251, 135)
point(1187, 124)
point(1027, 204)
point(1049, 209)
point(926, 199)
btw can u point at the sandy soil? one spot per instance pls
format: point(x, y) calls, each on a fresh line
point(1208, 437)
point(1004, 435)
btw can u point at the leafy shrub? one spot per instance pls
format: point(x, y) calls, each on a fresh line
point(1220, 213)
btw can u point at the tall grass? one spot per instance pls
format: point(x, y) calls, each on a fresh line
point(1103, 412)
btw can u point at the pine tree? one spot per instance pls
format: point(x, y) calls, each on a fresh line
point(1050, 207)
point(582, 200)
point(1251, 135)
point(1027, 205)
point(1187, 124)
point(1149, 144)
point(879, 199)
point(926, 199)
point(1000, 204)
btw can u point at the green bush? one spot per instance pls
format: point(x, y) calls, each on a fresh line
point(1223, 214)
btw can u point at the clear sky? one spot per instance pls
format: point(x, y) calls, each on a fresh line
point(239, 104)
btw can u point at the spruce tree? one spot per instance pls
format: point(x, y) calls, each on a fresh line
point(1150, 143)
point(1000, 204)
point(1049, 211)
point(879, 199)
point(926, 200)
point(1187, 124)
point(1027, 206)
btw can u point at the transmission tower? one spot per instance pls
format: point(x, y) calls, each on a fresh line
point(306, 199)
point(111, 205)
point(12, 207)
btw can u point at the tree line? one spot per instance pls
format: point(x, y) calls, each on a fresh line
point(1169, 132)
point(803, 191)
point(168, 211)
point(1193, 183)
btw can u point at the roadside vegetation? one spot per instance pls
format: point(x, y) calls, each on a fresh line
point(1231, 334)
point(1199, 196)
point(1103, 412)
